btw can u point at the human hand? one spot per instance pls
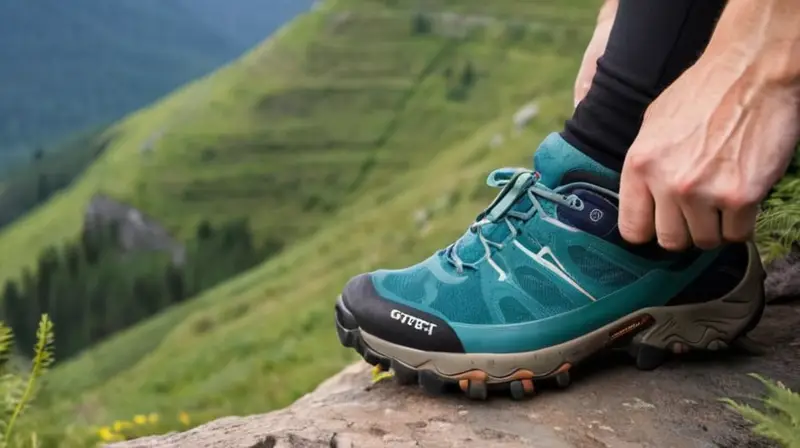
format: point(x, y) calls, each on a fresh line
point(710, 148)
point(595, 49)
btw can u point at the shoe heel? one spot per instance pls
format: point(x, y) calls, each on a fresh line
point(712, 325)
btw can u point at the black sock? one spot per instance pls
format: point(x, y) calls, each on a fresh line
point(651, 43)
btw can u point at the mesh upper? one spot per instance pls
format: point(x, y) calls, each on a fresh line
point(528, 293)
point(531, 290)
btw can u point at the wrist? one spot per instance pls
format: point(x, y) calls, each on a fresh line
point(780, 66)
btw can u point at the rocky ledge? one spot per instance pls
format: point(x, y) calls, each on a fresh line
point(610, 404)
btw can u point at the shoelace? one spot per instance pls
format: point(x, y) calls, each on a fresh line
point(515, 182)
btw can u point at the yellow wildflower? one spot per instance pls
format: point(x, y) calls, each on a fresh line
point(106, 434)
point(152, 418)
point(184, 418)
point(118, 425)
point(140, 419)
point(378, 374)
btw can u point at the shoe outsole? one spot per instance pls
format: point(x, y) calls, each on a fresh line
point(477, 384)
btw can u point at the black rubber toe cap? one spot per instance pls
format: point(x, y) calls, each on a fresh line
point(361, 306)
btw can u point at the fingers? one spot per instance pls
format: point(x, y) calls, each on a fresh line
point(672, 231)
point(703, 222)
point(636, 207)
point(704, 210)
point(738, 224)
point(678, 224)
point(677, 221)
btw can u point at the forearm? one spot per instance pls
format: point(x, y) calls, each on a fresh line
point(760, 39)
point(607, 11)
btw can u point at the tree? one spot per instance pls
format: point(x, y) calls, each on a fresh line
point(468, 75)
point(11, 296)
point(91, 301)
point(90, 246)
point(516, 31)
point(175, 284)
point(204, 231)
point(47, 268)
point(448, 73)
point(237, 234)
point(145, 295)
point(72, 259)
point(421, 24)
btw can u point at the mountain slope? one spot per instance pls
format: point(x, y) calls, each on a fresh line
point(300, 126)
point(334, 135)
point(71, 65)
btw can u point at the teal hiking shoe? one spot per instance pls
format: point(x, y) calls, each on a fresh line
point(542, 280)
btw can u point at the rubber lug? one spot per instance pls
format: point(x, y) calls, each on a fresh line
point(403, 375)
point(649, 357)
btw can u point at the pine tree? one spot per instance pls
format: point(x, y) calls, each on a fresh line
point(468, 75)
point(421, 24)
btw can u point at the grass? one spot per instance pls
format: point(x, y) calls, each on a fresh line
point(334, 135)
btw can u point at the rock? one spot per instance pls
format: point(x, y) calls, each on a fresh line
point(783, 282)
point(611, 405)
point(496, 141)
point(445, 202)
point(150, 144)
point(421, 217)
point(339, 21)
point(136, 232)
point(526, 114)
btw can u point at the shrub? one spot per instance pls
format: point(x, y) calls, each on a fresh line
point(780, 421)
point(18, 388)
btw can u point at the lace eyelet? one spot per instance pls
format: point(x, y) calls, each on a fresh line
point(579, 205)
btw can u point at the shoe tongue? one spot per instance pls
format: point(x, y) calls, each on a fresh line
point(559, 163)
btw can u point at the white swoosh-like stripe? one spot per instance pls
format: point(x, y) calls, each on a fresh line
point(502, 275)
point(553, 268)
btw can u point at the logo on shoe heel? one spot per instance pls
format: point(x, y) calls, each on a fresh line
point(414, 322)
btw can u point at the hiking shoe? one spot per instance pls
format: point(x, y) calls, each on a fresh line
point(542, 280)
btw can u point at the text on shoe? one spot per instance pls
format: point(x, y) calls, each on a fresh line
point(411, 321)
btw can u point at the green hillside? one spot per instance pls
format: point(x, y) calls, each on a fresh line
point(341, 102)
point(360, 135)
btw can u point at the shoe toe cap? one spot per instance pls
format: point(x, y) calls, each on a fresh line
point(363, 307)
